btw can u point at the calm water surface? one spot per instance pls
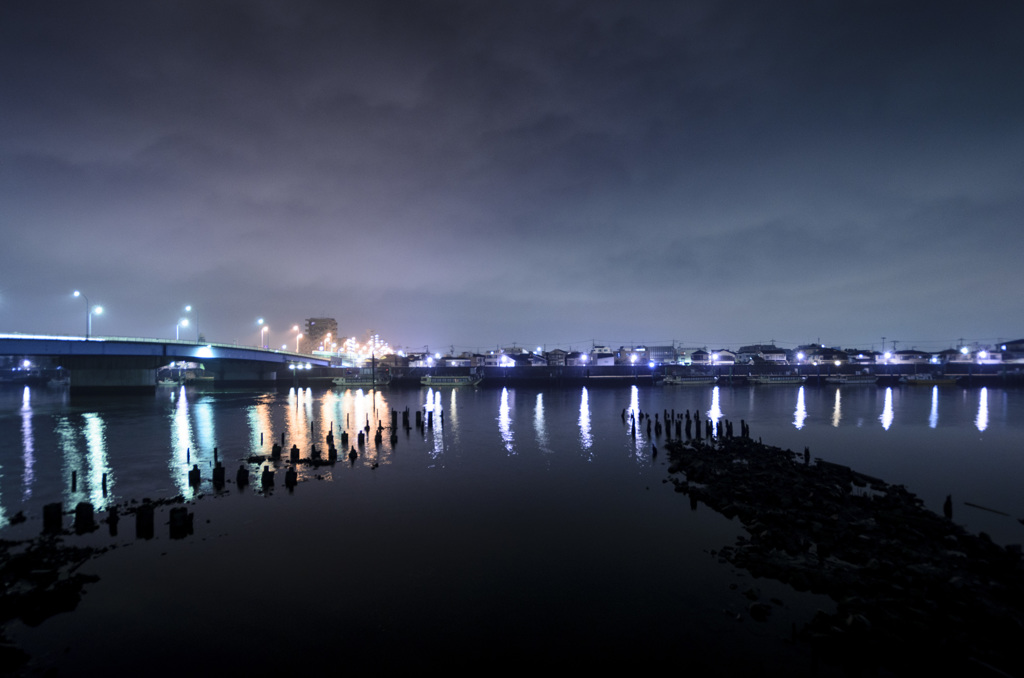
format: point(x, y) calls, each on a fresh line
point(525, 522)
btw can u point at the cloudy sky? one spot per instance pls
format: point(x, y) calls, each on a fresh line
point(535, 173)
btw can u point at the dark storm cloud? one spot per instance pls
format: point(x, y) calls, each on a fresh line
point(479, 173)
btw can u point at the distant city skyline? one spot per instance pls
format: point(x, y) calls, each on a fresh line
point(539, 173)
point(299, 342)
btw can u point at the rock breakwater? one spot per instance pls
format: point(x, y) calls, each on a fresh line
point(913, 590)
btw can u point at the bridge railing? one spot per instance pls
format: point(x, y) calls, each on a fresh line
point(150, 340)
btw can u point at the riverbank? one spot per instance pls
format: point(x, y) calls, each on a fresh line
point(914, 591)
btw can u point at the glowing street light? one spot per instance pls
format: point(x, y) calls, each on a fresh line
point(263, 332)
point(181, 323)
point(195, 314)
point(89, 310)
point(297, 342)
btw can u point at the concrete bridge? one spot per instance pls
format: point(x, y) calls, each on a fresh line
point(127, 364)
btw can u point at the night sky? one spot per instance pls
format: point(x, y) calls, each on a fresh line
point(481, 174)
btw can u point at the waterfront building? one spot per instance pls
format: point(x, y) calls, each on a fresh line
point(831, 356)
point(910, 357)
point(717, 357)
point(576, 359)
point(723, 357)
point(394, 360)
point(556, 357)
point(317, 330)
point(769, 353)
point(858, 357)
point(1013, 351)
point(661, 355)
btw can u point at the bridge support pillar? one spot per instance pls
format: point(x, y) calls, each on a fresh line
point(242, 373)
point(114, 375)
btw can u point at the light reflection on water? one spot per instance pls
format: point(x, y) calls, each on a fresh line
point(800, 415)
point(715, 411)
point(539, 427)
point(837, 409)
point(258, 418)
point(586, 439)
point(27, 446)
point(887, 430)
point(96, 460)
point(505, 422)
point(981, 421)
point(887, 416)
point(933, 415)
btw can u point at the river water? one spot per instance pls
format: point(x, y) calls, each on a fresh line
point(525, 526)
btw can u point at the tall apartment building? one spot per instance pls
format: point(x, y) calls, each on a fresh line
point(317, 330)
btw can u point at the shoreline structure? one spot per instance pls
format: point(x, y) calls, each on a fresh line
point(913, 590)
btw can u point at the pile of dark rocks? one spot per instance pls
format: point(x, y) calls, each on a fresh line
point(913, 590)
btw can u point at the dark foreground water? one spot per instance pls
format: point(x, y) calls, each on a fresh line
point(527, 528)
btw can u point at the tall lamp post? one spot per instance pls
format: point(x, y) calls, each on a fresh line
point(88, 320)
point(181, 323)
point(297, 337)
point(195, 314)
point(89, 310)
point(263, 332)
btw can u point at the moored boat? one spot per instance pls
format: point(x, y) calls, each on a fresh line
point(776, 379)
point(363, 379)
point(927, 379)
point(680, 380)
point(451, 380)
point(852, 379)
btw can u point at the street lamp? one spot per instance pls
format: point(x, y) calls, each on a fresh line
point(89, 310)
point(195, 314)
point(299, 336)
point(263, 330)
point(181, 323)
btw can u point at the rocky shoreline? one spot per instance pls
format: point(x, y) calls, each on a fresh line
point(913, 590)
